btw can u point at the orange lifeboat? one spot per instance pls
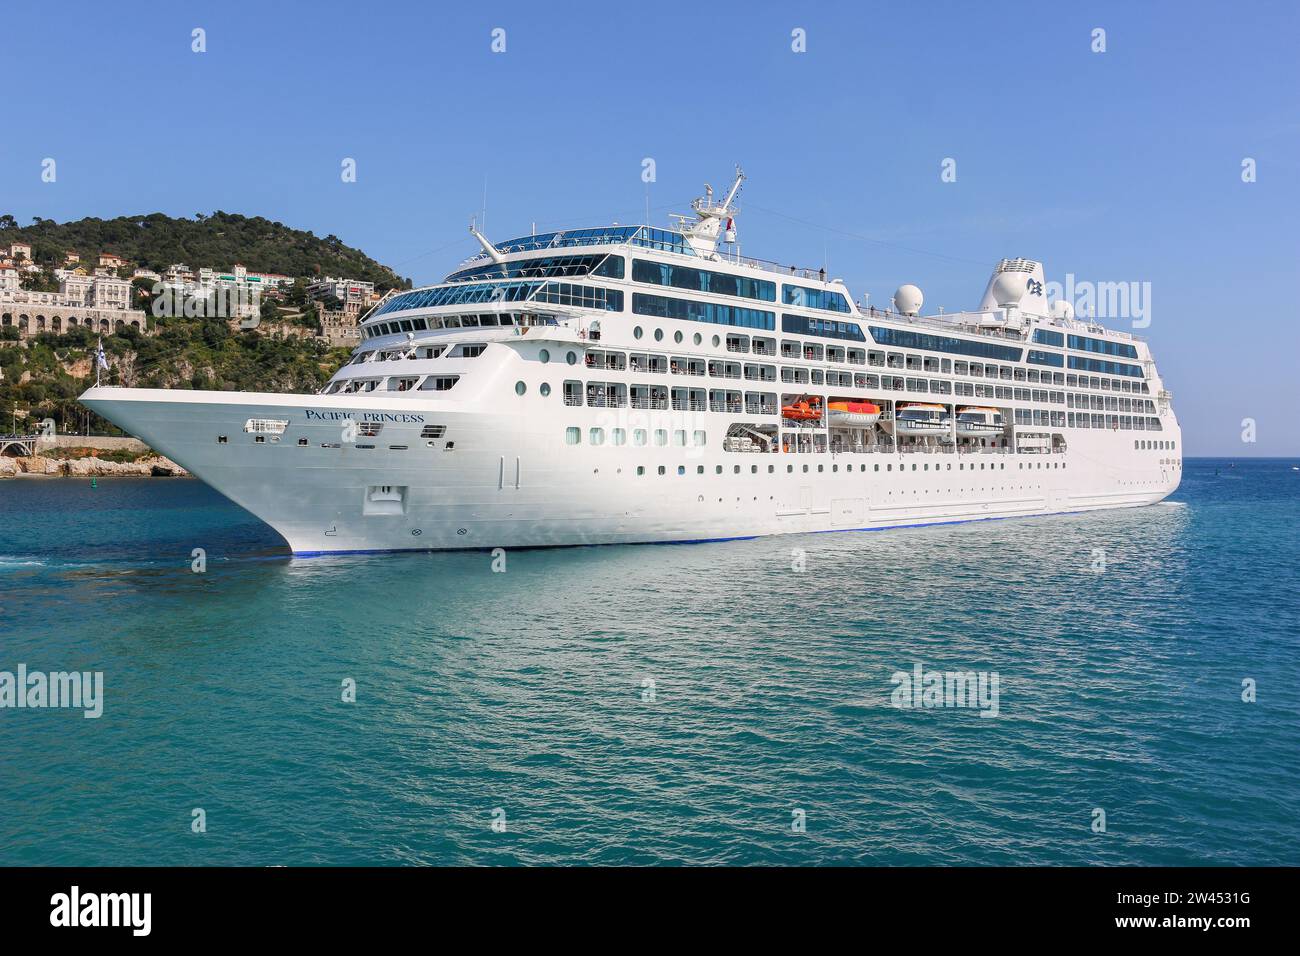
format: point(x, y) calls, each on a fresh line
point(803, 410)
point(853, 413)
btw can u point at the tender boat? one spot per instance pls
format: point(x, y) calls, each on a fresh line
point(977, 421)
point(852, 413)
point(921, 418)
point(803, 410)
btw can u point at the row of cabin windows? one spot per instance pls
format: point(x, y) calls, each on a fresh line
point(1111, 403)
point(464, 350)
point(848, 468)
point(1146, 444)
point(640, 437)
point(652, 397)
point(1114, 422)
point(393, 383)
point(615, 395)
point(684, 365)
point(655, 397)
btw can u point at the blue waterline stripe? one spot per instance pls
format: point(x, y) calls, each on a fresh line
point(747, 537)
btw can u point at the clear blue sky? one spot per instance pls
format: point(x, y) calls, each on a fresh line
point(1119, 166)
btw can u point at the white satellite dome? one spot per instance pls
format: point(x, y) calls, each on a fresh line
point(1062, 310)
point(1008, 288)
point(908, 299)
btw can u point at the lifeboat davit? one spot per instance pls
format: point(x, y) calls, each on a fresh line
point(803, 410)
point(852, 413)
point(978, 421)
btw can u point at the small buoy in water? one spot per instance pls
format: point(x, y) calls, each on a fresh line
point(93, 483)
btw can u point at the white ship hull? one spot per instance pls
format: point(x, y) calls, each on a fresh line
point(509, 483)
point(631, 384)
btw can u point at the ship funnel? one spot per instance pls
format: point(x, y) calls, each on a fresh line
point(1016, 284)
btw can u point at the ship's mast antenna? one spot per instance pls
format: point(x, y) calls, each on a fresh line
point(490, 249)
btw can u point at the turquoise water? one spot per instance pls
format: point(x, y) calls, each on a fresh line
point(524, 690)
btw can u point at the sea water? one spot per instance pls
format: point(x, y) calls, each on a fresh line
point(726, 703)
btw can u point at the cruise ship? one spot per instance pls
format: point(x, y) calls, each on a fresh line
point(631, 383)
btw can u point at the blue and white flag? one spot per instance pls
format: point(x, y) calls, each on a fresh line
point(101, 360)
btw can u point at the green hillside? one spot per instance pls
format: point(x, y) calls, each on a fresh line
point(219, 241)
point(41, 377)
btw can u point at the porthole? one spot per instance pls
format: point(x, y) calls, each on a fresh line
point(572, 358)
point(677, 336)
point(698, 338)
point(544, 356)
point(659, 335)
point(520, 388)
point(545, 389)
point(716, 341)
point(636, 332)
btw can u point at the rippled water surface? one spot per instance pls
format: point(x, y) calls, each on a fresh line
point(530, 691)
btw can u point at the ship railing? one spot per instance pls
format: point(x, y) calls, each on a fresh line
point(839, 449)
point(925, 449)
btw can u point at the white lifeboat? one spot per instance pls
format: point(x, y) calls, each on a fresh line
point(978, 421)
point(921, 418)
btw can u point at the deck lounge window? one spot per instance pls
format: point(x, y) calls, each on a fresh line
point(905, 339)
point(1048, 337)
point(439, 383)
point(1085, 344)
point(807, 298)
point(1046, 358)
point(1104, 367)
point(702, 280)
point(801, 325)
point(545, 267)
point(671, 308)
point(587, 297)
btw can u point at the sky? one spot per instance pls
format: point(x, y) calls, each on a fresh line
point(1122, 165)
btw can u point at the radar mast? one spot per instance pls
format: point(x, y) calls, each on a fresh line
point(702, 232)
